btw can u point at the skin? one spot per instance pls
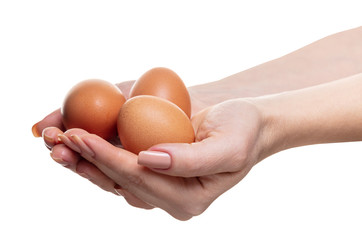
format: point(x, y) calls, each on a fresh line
point(319, 101)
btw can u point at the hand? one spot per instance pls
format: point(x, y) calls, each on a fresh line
point(228, 142)
point(51, 126)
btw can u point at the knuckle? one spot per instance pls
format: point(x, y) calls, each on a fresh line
point(189, 165)
point(131, 180)
point(195, 206)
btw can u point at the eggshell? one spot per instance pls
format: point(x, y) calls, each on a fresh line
point(93, 105)
point(145, 121)
point(165, 83)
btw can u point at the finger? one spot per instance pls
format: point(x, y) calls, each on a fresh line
point(72, 160)
point(165, 192)
point(125, 87)
point(66, 157)
point(94, 175)
point(77, 131)
point(210, 156)
point(50, 136)
point(135, 201)
point(132, 199)
point(65, 138)
point(103, 154)
point(54, 119)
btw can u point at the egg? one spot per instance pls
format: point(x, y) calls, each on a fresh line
point(145, 121)
point(165, 83)
point(93, 105)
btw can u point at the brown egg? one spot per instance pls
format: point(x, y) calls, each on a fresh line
point(145, 121)
point(93, 105)
point(164, 83)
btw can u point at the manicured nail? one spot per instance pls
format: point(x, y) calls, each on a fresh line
point(47, 138)
point(84, 175)
point(153, 159)
point(58, 159)
point(83, 147)
point(35, 130)
point(64, 139)
point(118, 190)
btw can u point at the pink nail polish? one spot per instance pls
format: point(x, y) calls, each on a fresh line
point(84, 175)
point(48, 138)
point(35, 130)
point(153, 159)
point(58, 160)
point(64, 139)
point(83, 147)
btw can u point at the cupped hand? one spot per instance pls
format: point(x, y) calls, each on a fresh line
point(51, 127)
point(229, 139)
point(228, 144)
point(67, 153)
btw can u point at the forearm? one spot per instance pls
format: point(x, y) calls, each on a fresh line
point(326, 113)
point(331, 58)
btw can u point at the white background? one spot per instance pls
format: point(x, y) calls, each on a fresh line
point(47, 46)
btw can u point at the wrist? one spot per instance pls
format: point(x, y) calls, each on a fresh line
point(327, 113)
point(272, 136)
point(284, 122)
point(212, 93)
point(215, 92)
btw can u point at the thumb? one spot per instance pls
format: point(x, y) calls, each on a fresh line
point(54, 119)
point(209, 156)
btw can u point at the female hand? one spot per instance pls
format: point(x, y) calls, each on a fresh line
point(51, 126)
point(229, 139)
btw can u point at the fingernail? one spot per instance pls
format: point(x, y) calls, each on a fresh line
point(84, 175)
point(47, 138)
point(58, 159)
point(83, 147)
point(68, 142)
point(49, 142)
point(153, 159)
point(35, 130)
point(118, 190)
